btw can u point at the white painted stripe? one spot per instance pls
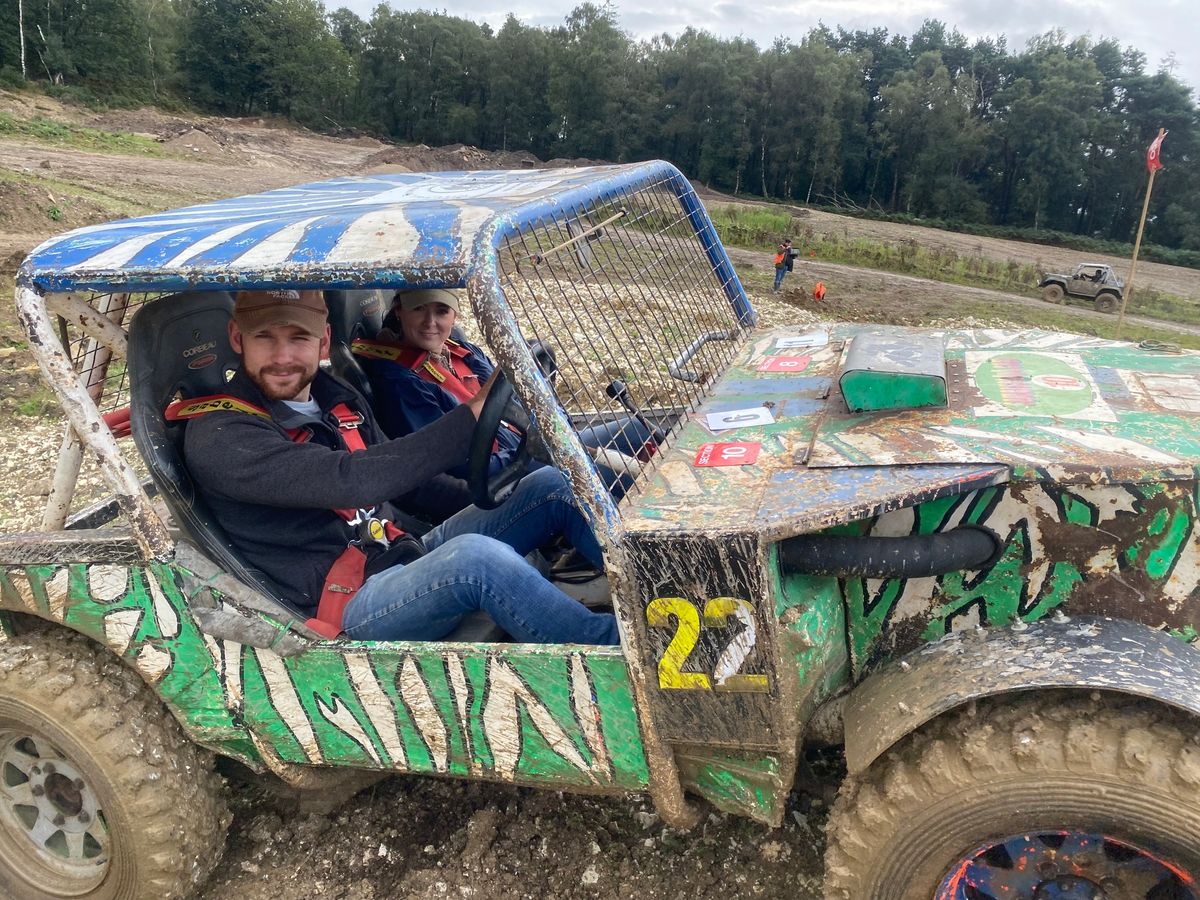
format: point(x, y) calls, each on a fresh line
point(378, 707)
point(106, 583)
point(117, 256)
point(340, 717)
point(458, 684)
point(216, 239)
point(375, 236)
point(470, 219)
point(20, 582)
point(164, 612)
point(56, 593)
point(589, 716)
point(1108, 443)
point(120, 627)
point(502, 722)
point(285, 702)
point(996, 438)
point(275, 249)
point(152, 662)
point(425, 713)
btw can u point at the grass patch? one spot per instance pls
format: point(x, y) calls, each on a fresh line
point(40, 404)
point(759, 229)
point(1057, 320)
point(78, 137)
point(119, 205)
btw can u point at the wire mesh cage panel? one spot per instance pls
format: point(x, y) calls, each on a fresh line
point(625, 295)
point(101, 372)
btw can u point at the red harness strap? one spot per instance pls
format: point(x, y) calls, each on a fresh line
point(458, 381)
point(348, 571)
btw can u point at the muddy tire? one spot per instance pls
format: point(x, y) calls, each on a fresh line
point(1053, 293)
point(976, 791)
point(102, 797)
point(1106, 303)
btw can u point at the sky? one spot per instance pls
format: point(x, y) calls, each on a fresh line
point(1158, 28)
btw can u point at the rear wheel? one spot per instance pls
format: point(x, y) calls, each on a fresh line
point(1056, 796)
point(1053, 293)
point(101, 795)
point(1106, 303)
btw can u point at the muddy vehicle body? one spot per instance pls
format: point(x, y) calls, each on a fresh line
point(970, 557)
point(1090, 281)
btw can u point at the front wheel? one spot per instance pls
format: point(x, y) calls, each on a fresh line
point(1058, 795)
point(102, 797)
point(1106, 303)
point(1053, 293)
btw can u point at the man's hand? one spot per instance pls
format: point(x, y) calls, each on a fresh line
point(476, 402)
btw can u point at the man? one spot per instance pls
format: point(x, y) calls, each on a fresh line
point(283, 477)
point(784, 260)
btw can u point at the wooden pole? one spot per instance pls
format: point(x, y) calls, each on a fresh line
point(1137, 245)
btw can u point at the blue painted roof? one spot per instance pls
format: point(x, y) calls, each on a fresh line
point(372, 230)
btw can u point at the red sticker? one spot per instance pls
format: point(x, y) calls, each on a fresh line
point(784, 364)
point(738, 453)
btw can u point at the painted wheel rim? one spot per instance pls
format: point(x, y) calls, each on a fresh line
point(52, 827)
point(1059, 865)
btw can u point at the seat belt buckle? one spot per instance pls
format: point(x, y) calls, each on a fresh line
point(371, 532)
point(350, 423)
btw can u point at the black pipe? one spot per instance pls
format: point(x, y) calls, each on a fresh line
point(966, 547)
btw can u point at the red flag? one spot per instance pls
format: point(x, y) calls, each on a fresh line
point(1153, 163)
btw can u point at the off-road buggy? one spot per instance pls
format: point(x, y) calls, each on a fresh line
point(1089, 281)
point(969, 557)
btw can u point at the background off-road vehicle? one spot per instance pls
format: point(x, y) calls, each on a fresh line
point(970, 557)
point(1089, 281)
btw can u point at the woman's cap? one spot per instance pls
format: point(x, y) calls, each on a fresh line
point(423, 296)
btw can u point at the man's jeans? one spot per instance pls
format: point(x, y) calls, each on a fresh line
point(476, 561)
point(779, 273)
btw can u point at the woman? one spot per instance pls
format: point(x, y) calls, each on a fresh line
point(419, 373)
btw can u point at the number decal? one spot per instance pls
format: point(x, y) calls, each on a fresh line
point(717, 613)
point(726, 676)
point(683, 642)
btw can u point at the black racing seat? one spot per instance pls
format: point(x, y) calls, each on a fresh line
point(179, 347)
point(353, 315)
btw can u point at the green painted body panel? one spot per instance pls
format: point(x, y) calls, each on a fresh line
point(559, 717)
point(1131, 551)
point(872, 391)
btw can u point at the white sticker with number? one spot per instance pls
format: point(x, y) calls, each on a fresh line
point(739, 418)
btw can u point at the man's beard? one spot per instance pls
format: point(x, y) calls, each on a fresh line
point(306, 378)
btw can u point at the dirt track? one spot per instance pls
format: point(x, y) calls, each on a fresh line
point(904, 299)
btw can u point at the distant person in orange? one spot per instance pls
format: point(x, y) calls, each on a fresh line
point(784, 259)
point(819, 291)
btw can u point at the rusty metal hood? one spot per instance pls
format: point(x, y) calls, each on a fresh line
point(1027, 405)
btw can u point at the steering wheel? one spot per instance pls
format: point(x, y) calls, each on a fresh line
point(502, 409)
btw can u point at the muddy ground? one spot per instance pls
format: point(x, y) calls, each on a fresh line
point(422, 837)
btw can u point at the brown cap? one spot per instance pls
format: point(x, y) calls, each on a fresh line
point(422, 296)
point(258, 309)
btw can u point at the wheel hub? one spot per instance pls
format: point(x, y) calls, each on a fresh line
point(48, 811)
point(1060, 865)
point(1070, 887)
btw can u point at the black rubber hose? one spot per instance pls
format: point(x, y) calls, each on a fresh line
point(912, 556)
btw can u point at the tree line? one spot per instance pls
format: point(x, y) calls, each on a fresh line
point(1051, 137)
